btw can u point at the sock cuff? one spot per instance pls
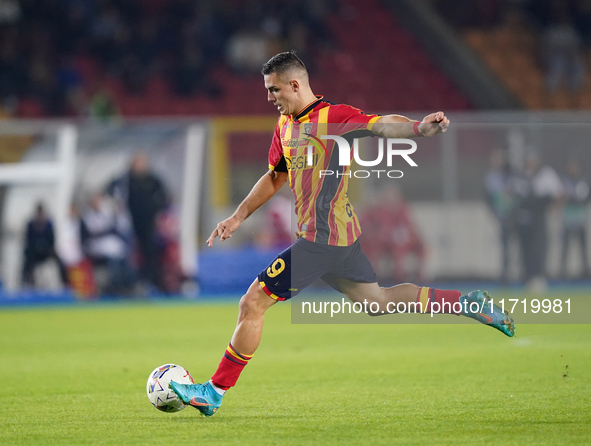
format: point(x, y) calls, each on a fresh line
point(424, 297)
point(220, 390)
point(442, 300)
point(233, 355)
point(228, 371)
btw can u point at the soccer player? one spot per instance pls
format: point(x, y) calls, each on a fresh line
point(327, 246)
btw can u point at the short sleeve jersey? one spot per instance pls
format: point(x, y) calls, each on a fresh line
point(322, 206)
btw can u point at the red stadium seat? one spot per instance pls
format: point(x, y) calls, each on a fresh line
point(381, 74)
point(30, 108)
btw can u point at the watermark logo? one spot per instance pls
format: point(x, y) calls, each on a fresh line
point(387, 148)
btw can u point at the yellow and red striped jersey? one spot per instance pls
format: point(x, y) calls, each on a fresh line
point(322, 206)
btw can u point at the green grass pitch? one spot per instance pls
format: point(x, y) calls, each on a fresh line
point(77, 375)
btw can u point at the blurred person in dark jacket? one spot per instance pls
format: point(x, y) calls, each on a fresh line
point(40, 246)
point(537, 189)
point(574, 215)
point(499, 196)
point(145, 196)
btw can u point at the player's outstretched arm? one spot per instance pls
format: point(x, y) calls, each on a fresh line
point(397, 126)
point(261, 192)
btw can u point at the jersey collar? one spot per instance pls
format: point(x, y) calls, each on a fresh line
point(308, 108)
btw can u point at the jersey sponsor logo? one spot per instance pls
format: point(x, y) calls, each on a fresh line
point(294, 142)
point(302, 162)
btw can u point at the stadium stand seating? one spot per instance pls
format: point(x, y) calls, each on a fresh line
point(372, 62)
point(514, 42)
point(382, 67)
point(508, 51)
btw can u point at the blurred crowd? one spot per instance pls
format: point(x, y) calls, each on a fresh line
point(541, 14)
point(43, 41)
point(123, 241)
point(562, 30)
point(522, 197)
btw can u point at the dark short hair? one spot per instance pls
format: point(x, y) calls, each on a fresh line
point(282, 62)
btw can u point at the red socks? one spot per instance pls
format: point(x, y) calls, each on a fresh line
point(439, 301)
point(230, 368)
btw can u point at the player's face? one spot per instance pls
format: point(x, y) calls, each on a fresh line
point(281, 94)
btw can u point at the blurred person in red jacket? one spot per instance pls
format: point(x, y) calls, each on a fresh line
point(391, 236)
point(277, 229)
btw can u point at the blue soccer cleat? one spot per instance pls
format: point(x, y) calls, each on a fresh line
point(486, 313)
point(202, 397)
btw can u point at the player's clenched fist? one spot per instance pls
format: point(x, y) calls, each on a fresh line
point(433, 124)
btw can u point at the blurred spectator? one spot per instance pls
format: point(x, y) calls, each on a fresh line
point(583, 20)
point(70, 83)
point(167, 235)
point(247, 51)
point(191, 74)
point(105, 242)
point(391, 237)
point(43, 84)
point(144, 195)
point(276, 230)
point(40, 247)
point(563, 52)
point(476, 13)
point(70, 250)
point(10, 11)
point(51, 51)
point(499, 196)
point(102, 107)
point(536, 190)
point(12, 72)
point(575, 215)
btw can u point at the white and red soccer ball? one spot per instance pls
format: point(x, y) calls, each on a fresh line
point(161, 397)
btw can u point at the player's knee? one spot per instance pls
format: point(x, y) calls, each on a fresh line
point(248, 303)
point(253, 302)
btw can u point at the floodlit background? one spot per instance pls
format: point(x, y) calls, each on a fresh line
point(129, 128)
point(88, 87)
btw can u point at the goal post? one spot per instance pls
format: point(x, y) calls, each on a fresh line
point(59, 173)
point(191, 198)
point(67, 162)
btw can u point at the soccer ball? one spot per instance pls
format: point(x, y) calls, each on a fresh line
point(161, 397)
